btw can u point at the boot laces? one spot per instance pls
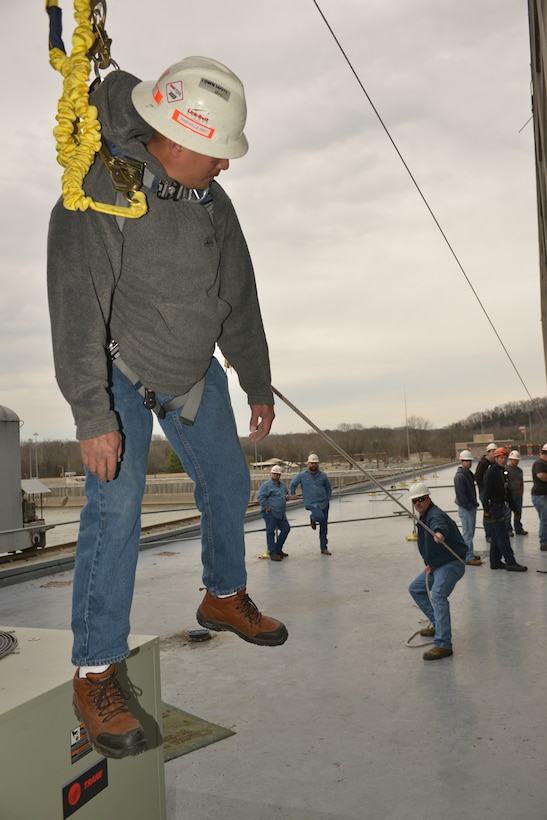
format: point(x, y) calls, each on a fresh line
point(109, 698)
point(249, 609)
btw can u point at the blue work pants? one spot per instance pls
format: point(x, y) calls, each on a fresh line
point(321, 517)
point(275, 525)
point(540, 503)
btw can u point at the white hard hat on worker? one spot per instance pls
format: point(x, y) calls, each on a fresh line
point(199, 104)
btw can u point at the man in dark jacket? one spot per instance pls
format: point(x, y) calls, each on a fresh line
point(539, 495)
point(496, 496)
point(466, 499)
point(444, 554)
point(485, 462)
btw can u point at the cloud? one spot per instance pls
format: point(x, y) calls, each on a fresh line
point(360, 294)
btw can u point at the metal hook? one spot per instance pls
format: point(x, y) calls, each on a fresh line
point(99, 53)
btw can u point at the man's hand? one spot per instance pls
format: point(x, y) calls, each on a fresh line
point(102, 454)
point(262, 416)
point(438, 537)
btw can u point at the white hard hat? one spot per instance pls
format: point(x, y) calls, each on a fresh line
point(466, 455)
point(313, 458)
point(198, 103)
point(277, 469)
point(418, 490)
point(514, 454)
point(492, 446)
point(544, 448)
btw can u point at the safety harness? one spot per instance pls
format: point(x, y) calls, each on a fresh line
point(127, 173)
point(188, 403)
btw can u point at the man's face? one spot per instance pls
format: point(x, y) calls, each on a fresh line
point(313, 466)
point(490, 455)
point(196, 170)
point(501, 460)
point(422, 504)
point(466, 464)
point(276, 477)
point(514, 462)
point(543, 455)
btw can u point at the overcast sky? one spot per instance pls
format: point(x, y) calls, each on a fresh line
point(362, 301)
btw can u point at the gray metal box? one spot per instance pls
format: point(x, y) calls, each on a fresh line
point(48, 770)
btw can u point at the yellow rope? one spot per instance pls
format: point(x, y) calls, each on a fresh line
point(78, 133)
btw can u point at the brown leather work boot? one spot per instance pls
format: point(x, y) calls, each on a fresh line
point(240, 615)
point(100, 703)
point(437, 652)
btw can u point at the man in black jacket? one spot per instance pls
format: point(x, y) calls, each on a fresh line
point(496, 496)
point(485, 462)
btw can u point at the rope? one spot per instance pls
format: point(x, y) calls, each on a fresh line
point(356, 464)
point(429, 208)
point(78, 133)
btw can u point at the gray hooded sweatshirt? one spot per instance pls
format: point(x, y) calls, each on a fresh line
point(167, 288)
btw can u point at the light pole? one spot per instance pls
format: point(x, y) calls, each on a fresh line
point(36, 451)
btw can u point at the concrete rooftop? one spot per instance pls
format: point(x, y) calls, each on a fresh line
point(345, 720)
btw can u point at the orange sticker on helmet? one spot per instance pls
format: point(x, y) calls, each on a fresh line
point(192, 124)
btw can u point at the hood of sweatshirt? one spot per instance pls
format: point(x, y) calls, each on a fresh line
point(120, 121)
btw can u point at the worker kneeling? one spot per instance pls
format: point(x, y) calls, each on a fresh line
point(444, 556)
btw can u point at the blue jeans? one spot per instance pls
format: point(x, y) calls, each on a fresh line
point(441, 583)
point(540, 503)
point(468, 519)
point(108, 541)
point(275, 545)
point(321, 517)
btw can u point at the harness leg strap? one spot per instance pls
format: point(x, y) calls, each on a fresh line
point(188, 403)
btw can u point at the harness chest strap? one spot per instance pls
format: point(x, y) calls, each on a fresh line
point(188, 403)
point(129, 176)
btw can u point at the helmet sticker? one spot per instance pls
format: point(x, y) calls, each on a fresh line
point(215, 88)
point(173, 91)
point(157, 95)
point(193, 124)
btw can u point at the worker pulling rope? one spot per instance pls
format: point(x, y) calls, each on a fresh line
point(78, 133)
point(351, 460)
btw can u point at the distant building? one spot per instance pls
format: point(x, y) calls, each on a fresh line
point(480, 440)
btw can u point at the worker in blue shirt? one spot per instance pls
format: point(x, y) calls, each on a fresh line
point(316, 491)
point(272, 496)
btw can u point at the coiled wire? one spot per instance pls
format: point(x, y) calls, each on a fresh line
point(8, 643)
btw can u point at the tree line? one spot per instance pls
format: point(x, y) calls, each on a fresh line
point(50, 458)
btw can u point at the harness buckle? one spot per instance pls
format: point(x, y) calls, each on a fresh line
point(126, 174)
point(149, 399)
point(167, 190)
